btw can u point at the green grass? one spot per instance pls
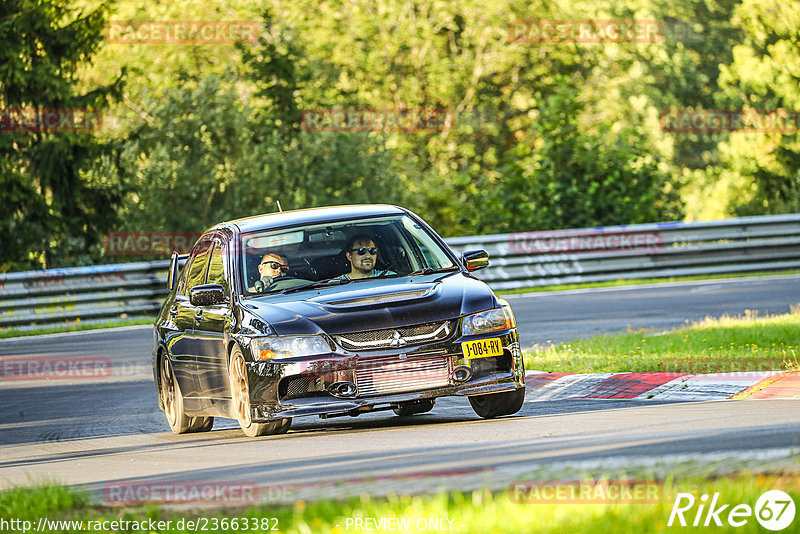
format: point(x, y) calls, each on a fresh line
point(480, 512)
point(76, 326)
point(640, 281)
point(727, 344)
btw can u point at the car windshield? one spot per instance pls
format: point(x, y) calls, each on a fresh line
point(276, 261)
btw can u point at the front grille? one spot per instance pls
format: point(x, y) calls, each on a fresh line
point(397, 337)
point(299, 386)
point(379, 376)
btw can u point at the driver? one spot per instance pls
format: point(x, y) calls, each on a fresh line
point(362, 254)
point(271, 267)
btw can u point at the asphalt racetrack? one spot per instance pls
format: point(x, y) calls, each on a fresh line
point(95, 433)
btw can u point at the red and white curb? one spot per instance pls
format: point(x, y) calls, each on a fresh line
point(541, 386)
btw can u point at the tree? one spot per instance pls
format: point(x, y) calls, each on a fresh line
point(764, 76)
point(54, 212)
point(208, 153)
point(560, 176)
point(453, 56)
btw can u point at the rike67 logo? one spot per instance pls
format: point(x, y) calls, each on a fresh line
point(774, 510)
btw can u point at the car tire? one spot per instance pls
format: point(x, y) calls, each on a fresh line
point(240, 399)
point(172, 399)
point(496, 404)
point(202, 424)
point(413, 408)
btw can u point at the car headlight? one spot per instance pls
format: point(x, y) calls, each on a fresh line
point(501, 318)
point(276, 347)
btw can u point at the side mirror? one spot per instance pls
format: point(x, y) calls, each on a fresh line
point(475, 259)
point(207, 295)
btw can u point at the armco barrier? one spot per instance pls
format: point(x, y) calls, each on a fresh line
point(518, 260)
point(104, 292)
point(530, 259)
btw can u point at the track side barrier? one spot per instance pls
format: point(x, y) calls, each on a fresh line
point(35, 299)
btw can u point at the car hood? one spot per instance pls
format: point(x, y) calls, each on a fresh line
point(373, 304)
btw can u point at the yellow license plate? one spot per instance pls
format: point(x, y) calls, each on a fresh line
point(482, 348)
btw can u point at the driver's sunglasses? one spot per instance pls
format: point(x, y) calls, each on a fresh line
point(363, 250)
point(275, 265)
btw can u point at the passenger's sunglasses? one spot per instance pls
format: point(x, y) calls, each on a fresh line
point(363, 250)
point(275, 265)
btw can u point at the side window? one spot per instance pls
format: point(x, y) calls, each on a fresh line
point(184, 272)
point(216, 271)
point(197, 269)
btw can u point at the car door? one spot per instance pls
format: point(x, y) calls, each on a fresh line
point(212, 360)
point(186, 316)
point(177, 330)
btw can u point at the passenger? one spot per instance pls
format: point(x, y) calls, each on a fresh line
point(362, 254)
point(271, 267)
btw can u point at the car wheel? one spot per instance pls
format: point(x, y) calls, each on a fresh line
point(412, 408)
point(172, 399)
point(202, 424)
point(240, 397)
point(496, 404)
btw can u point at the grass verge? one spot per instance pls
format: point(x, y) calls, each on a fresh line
point(641, 281)
point(459, 512)
point(76, 326)
point(724, 345)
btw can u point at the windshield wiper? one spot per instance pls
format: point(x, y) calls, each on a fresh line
point(430, 270)
point(320, 283)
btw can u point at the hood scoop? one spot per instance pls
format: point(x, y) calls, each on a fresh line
point(384, 298)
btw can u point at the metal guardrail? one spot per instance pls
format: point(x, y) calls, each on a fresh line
point(54, 297)
point(746, 244)
point(519, 260)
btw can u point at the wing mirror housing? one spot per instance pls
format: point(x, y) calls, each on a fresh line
point(475, 259)
point(207, 295)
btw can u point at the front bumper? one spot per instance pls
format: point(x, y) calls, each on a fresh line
point(301, 388)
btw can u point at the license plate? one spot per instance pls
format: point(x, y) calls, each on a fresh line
point(482, 348)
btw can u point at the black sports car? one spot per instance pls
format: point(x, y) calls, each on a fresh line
point(330, 311)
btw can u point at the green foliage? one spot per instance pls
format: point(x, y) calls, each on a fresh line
point(699, 37)
point(205, 156)
point(209, 132)
point(559, 176)
point(471, 511)
point(454, 56)
point(765, 75)
point(53, 212)
point(41, 500)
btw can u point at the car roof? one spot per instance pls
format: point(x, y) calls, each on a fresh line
point(311, 216)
